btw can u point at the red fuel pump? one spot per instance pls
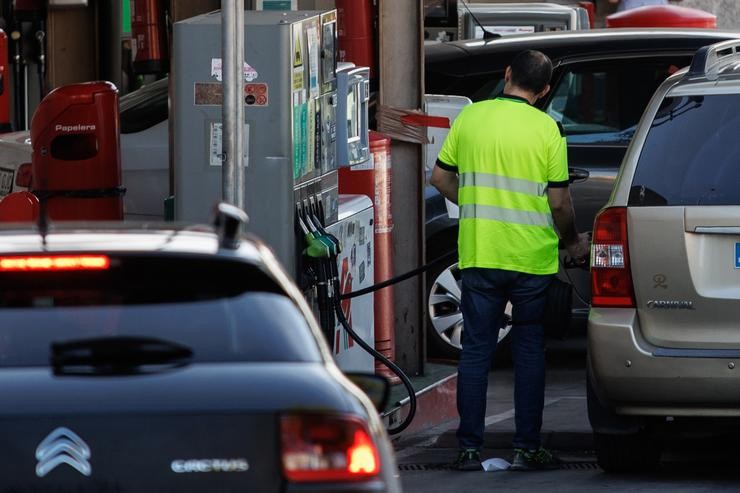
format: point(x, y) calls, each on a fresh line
point(76, 161)
point(590, 9)
point(148, 32)
point(376, 184)
point(355, 33)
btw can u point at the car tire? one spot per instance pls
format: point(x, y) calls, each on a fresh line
point(445, 321)
point(622, 443)
point(634, 452)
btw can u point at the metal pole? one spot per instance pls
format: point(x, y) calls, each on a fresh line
point(229, 73)
point(401, 86)
point(239, 98)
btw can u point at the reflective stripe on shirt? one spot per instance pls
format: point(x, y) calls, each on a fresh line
point(528, 218)
point(518, 185)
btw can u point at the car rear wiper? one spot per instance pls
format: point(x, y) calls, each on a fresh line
point(117, 356)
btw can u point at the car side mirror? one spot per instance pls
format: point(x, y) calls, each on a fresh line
point(23, 175)
point(578, 175)
point(377, 387)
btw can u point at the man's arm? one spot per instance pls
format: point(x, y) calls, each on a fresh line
point(561, 206)
point(446, 182)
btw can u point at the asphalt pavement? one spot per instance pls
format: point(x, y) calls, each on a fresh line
point(693, 464)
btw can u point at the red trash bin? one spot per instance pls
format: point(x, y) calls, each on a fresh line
point(76, 160)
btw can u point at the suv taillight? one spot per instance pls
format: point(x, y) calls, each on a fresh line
point(611, 281)
point(327, 448)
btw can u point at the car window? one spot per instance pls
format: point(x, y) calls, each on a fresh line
point(224, 311)
point(145, 107)
point(602, 102)
point(691, 154)
point(493, 86)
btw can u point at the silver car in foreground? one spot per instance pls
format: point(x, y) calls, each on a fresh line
point(664, 328)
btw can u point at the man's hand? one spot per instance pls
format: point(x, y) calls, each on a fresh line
point(579, 249)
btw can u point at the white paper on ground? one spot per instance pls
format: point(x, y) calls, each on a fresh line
point(495, 464)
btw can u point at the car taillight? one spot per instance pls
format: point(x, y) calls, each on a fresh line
point(327, 448)
point(611, 281)
point(54, 263)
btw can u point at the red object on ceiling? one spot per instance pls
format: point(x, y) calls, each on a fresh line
point(662, 16)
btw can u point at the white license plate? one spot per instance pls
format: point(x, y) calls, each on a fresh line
point(6, 181)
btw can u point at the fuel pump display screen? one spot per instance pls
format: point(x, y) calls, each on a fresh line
point(353, 125)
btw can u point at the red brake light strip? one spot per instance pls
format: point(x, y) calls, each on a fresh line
point(54, 263)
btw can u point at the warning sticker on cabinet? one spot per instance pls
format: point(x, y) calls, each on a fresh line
point(250, 73)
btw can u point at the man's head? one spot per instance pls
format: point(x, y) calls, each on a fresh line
point(530, 71)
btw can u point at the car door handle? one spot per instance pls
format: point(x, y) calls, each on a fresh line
point(578, 175)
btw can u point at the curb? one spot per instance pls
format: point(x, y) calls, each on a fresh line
point(435, 404)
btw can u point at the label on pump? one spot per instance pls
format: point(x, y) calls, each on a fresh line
point(215, 144)
point(313, 61)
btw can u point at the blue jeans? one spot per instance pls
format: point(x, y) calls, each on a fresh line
point(485, 293)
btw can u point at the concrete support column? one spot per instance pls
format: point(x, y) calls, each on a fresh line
point(401, 86)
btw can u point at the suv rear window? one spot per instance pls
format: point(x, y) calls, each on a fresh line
point(223, 310)
point(691, 154)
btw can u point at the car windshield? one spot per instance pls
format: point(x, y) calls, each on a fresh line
point(222, 311)
point(145, 107)
point(691, 153)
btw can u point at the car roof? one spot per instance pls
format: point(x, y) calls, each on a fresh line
point(154, 239)
point(563, 43)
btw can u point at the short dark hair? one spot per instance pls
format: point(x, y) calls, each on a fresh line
point(531, 70)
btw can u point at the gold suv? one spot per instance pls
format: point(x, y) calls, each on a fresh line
point(664, 327)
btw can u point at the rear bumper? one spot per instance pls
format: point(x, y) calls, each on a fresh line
point(637, 378)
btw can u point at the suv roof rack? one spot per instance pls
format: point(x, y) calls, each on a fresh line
point(709, 60)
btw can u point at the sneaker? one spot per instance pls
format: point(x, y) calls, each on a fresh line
point(468, 460)
point(534, 460)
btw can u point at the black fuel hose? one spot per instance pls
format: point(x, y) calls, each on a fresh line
point(397, 279)
point(332, 271)
point(385, 361)
point(573, 263)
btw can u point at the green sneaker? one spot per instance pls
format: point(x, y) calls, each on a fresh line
point(534, 460)
point(468, 460)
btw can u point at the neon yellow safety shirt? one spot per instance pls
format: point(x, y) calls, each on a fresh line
point(506, 154)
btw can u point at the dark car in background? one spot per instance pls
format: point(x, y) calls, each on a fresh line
point(142, 358)
point(602, 81)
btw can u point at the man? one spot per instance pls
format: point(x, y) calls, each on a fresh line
point(504, 162)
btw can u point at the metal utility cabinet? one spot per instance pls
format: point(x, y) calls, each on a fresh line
point(290, 127)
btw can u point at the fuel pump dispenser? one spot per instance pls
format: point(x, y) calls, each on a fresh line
point(361, 173)
point(291, 149)
point(289, 80)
